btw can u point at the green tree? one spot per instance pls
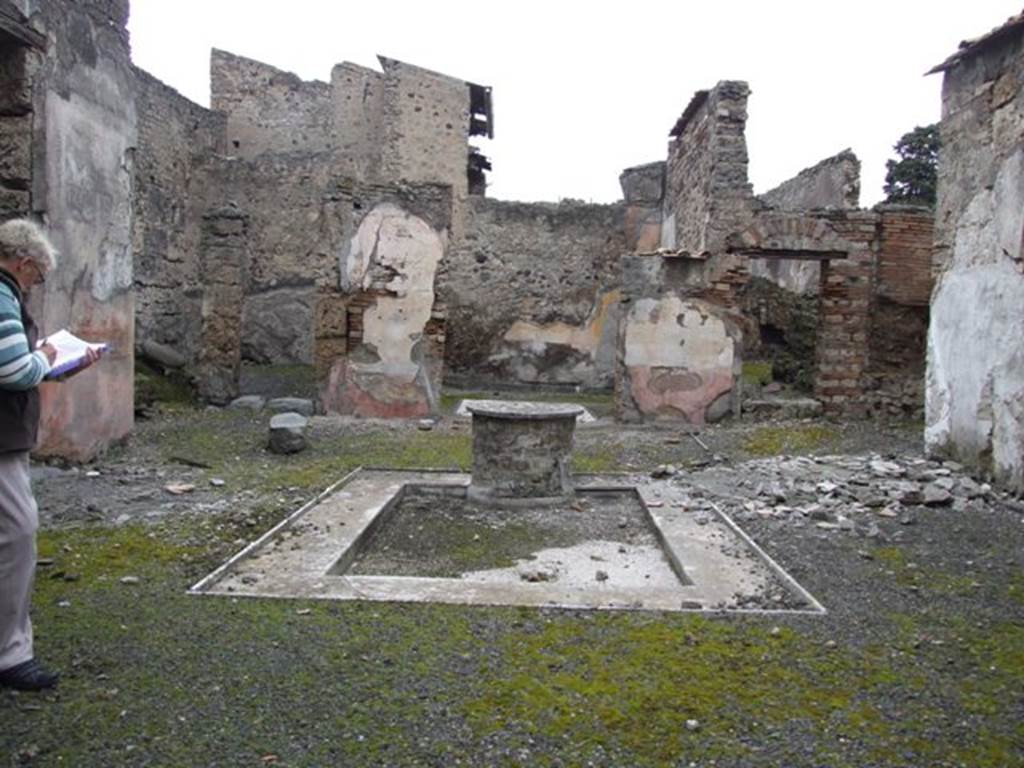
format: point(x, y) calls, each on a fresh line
point(911, 179)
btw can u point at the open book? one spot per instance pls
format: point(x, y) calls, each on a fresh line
point(71, 352)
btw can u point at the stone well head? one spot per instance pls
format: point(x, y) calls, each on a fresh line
point(522, 451)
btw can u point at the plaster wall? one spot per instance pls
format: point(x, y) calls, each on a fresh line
point(391, 366)
point(679, 357)
point(975, 382)
point(86, 132)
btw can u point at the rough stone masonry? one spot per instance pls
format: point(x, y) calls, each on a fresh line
point(363, 250)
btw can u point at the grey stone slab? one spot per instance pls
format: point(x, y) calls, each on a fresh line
point(522, 410)
point(295, 404)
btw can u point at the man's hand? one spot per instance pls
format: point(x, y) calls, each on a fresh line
point(91, 356)
point(49, 350)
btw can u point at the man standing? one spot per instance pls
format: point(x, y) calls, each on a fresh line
point(26, 257)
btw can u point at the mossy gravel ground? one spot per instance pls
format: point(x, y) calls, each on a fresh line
point(912, 666)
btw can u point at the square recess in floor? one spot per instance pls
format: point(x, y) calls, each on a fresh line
point(622, 542)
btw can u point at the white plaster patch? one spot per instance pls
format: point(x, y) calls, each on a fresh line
point(408, 246)
point(991, 226)
point(633, 566)
point(90, 172)
point(668, 232)
point(975, 371)
point(679, 334)
point(584, 338)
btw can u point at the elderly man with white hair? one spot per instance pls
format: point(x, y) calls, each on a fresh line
point(26, 257)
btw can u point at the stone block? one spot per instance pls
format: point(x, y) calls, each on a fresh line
point(288, 433)
point(291, 404)
point(248, 402)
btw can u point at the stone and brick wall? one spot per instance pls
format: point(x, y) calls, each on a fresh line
point(17, 62)
point(295, 236)
point(357, 95)
point(678, 353)
point(899, 314)
point(832, 183)
point(532, 293)
point(707, 194)
point(176, 139)
point(425, 126)
point(222, 259)
point(975, 381)
point(379, 322)
point(643, 189)
point(267, 109)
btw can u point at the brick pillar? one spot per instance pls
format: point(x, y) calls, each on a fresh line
point(222, 252)
point(330, 342)
point(843, 330)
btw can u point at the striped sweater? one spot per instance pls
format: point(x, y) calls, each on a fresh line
point(20, 368)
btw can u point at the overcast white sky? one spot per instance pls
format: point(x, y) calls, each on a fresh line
point(585, 89)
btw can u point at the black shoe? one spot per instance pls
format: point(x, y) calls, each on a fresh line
point(28, 676)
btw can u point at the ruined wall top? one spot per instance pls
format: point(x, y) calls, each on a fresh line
point(832, 183)
point(268, 109)
point(643, 184)
point(405, 123)
point(707, 194)
point(993, 39)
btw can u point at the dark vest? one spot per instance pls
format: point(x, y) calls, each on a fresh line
point(19, 411)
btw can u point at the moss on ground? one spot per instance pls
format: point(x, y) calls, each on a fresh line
point(598, 458)
point(777, 440)
point(232, 445)
point(153, 676)
point(757, 372)
point(153, 387)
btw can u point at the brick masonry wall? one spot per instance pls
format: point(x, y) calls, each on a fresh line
point(847, 286)
point(268, 109)
point(532, 294)
point(904, 260)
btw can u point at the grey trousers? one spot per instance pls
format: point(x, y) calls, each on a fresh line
point(19, 520)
